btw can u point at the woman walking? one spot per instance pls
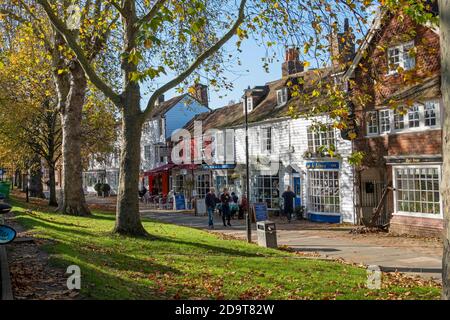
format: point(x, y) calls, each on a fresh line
point(225, 200)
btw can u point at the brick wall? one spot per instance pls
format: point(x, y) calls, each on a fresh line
point(372, 78)
point(422, 227)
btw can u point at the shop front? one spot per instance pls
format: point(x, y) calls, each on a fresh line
point(417, 204)
point(323, 195)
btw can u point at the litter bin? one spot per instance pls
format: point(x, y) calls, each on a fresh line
point(267, 234)
point(5, 188)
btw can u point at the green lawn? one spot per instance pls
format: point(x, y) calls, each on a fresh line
point(189, 263)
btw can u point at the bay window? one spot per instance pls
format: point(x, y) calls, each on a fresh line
point(417, 190)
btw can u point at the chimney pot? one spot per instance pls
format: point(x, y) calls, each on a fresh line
point(201, 93)
point(292, 62)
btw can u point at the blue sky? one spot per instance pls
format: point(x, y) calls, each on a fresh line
point(249, 73)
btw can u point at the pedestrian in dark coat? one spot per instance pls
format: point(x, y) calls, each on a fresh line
point(288, 197)
point(211, 201)
point(225, 200)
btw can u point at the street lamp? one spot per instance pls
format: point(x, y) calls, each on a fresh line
point(247, 187)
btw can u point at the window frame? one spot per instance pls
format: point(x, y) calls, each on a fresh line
point(401, 56)
point(370, 122)
point(398, 212)
point(387, 125)
point(266, 137)
point(406, 119)
point(316, 179)
point(318, 138)
point(282, 96)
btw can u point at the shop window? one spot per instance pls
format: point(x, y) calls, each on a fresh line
point(414, 117)
point(323, 191)
point(267, 189)
point(179, 183)
point(202, 185)
point(372, 122)
point(417, 190)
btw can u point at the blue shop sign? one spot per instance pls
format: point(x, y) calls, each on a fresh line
point(218, 166)
point(322, 165)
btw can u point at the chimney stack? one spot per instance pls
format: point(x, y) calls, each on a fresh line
point(342, 46)
point(160, 100)
point(292, 64)
point(201, 93)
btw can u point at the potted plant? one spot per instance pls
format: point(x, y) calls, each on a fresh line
point(98, 188)
point(299, 211)
point(105, 190)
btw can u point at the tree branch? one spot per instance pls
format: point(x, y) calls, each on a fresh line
point(153, 11)
point(202, 58)
point(82, 59)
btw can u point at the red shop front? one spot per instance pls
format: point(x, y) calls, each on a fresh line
point(158, 179)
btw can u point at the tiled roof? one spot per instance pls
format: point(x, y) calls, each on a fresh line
point(233, 115)
point(165, 106)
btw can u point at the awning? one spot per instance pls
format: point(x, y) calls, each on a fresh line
point(160, 169)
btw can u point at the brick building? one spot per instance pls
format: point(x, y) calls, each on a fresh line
point(395, 86)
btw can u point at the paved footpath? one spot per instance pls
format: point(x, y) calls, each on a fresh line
point(392, 253)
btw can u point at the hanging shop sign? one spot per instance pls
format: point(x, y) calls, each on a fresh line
point(322, 165)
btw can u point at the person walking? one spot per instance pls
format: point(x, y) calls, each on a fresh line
point(225, 200)
point(211, 201)
point(288, 197)
point(234, 208)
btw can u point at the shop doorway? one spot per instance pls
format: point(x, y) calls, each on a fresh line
point(297, 188)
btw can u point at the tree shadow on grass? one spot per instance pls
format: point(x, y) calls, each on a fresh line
point(211, 249)
point(102, 283)
point(35, 221)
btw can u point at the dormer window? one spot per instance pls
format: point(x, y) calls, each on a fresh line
point(282, 97)
point(249, 104)
point(401, 57)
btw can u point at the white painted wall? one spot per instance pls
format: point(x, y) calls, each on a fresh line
point(292, 133)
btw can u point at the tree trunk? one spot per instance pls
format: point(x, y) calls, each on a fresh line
point(52, 186)
point(444, 8)
point(73, 200)
point(24, 182)
point(128, 219)
point(36, 189)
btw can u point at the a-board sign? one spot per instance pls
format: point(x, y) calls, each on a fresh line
point(5, 208)
point(200, 206)
point(179, 202)
point(260, 210)
point(7, 234)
